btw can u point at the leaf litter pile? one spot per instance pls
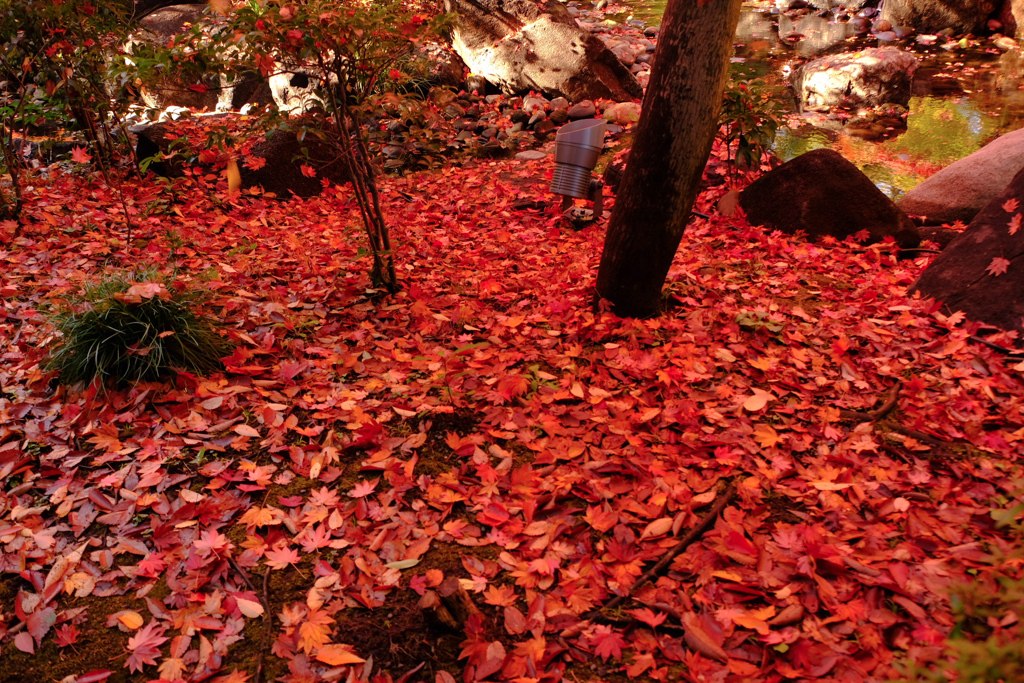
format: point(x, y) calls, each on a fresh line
point(294, 517)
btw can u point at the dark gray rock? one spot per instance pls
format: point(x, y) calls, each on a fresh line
point(822, 194)
point(282, 174)
point(982, 271)
point(932, 16)
point(582, 110)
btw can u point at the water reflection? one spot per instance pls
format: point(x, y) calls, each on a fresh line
point(962, 99)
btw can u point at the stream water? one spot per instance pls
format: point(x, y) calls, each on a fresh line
point(962, 99)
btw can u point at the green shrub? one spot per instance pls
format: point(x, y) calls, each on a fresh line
point(131, 328)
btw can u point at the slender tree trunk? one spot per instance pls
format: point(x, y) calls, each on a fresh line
point(672, 143)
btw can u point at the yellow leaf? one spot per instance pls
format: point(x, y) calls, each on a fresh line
point(333, 654)
point(132, 620)
point(234, 177)
point(250, 608)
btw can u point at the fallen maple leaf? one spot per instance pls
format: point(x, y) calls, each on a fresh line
point(766, 436)
point(315, 631)
point(145, 646)
point(648, 616)
point(998, 266)
point(1010, 205)
point(308, 171)
point(281, 556)
point(1015, 223)
point(80, 156)
point(607, 642)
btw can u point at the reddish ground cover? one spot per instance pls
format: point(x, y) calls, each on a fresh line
point(487, 423)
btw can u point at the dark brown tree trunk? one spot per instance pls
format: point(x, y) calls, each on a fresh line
point(673, 140)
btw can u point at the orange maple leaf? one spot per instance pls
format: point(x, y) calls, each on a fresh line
point(315, 632)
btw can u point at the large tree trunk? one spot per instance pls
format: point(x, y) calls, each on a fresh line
point(673, 140)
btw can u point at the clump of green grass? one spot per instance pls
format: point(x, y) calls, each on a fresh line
point(134, 327)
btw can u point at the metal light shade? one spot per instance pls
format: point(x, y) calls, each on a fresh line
point(577, 147)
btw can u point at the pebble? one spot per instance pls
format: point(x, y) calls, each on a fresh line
point(543, 128)
point(531, 155)
point(559, 117)
point(585, 109)
point(651, 31)
point(559, 103)
point(454, 111)
point(886, 36)
point(537, 118)
point(534, 104)
point(881, 26)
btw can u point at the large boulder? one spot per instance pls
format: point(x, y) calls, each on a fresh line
point(215, 92)
point(294, 167)
point(982, 271)
point(822, 194)
point(932, 16)
point(520, 45)
point(869, 78)
point(962, 189)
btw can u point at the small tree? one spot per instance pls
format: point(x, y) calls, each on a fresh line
point(345, 51)
point(53, 67)
point(672, 143)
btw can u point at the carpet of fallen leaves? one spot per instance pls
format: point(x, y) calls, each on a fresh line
point(487, 423)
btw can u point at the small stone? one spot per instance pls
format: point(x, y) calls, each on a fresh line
point(515, 128)
point(585, 109)
point(881, 26)
point(1005, 43)
point(559, 103)
point(886, 36)
point(797, 4)
point(559, 117)
point(489, 133)
point(543, 128)
point(491, 99)
point(995, 25)
point(464, 135)
point(534, 104)
point(903, 31)
point(392, 151)
point(536, 118)
point(454, 111)
point(476, 82)
point(530, 155)
point(519, 116)
point(651, 31)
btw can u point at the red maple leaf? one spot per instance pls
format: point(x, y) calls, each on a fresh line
point(607, 643)
point(80, 156)
point(145, 646)
point(998, 266)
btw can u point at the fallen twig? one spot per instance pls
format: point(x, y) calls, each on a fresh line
point(874, 416)
point(696, 532)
